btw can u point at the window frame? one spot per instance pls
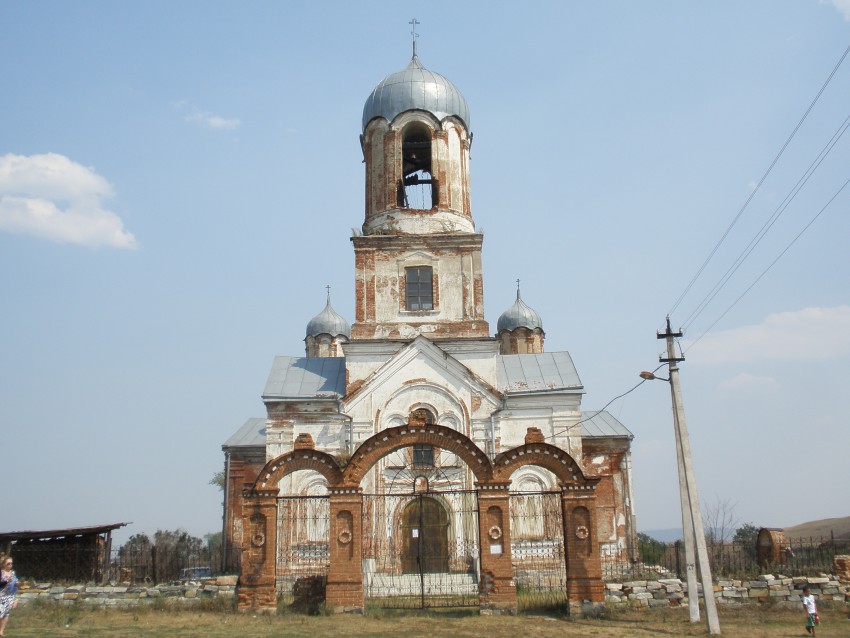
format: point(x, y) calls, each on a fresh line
point(414, 302)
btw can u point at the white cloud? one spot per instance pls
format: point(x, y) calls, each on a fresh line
point(53, 197)
point(212, 121)
point(751, 384)
point(811, 334)
point(843, 7)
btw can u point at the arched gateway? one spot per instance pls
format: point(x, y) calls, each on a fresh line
point(427, 523)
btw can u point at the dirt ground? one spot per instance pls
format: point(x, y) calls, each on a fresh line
point(749, 621)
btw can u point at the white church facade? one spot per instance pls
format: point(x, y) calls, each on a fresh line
point(416, 457)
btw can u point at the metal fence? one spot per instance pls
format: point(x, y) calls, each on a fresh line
point(134, 565)
point(420, 550)
point(537, 550)
point(160, 565)
point(730, 559)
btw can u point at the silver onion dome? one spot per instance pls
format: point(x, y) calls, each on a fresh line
point(328, 322)
point(519, 316)
point(415, 87)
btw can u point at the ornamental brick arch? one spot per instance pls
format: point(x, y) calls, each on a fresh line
point(545, 455)
point(391, 439)
point(304, 458)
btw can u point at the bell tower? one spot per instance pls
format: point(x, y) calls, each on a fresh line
point(418, 259)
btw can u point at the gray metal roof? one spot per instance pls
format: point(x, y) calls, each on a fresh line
point(535, 372)
point(415, 87)
point(602, 424)
point(253, 433)
point(519, 316)
point(306, 377)
point(328, 322)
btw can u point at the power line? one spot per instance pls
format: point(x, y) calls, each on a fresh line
point(758, 185)
point(602, 409)
point(777, 213)
point(764, 272)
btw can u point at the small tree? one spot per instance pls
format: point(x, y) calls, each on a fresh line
point(720, 519)
point(651, 550)
point(218, 480)
point(746, 536)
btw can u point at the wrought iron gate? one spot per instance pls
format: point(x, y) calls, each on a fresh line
point(421, 550)
point(303, 541)
point(537, 550)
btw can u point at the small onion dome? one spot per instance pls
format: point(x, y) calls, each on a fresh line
point(519, 316)
point(415, 87)
point(328, 322)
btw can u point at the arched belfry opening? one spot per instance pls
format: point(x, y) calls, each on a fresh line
point(418, 188)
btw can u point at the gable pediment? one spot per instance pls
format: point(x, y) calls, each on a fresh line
point(422, 364)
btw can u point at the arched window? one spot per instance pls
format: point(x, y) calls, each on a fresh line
point(417, 188)
point(423, 455)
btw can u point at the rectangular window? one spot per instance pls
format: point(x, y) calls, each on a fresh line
point(423, 456)
point(420, 288)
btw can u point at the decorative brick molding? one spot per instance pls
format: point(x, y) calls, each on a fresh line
point(387, 441)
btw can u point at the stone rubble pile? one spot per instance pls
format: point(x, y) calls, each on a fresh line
point(129, 595)
point(778, 589)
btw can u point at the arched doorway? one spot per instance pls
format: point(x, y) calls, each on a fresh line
point(425, 537)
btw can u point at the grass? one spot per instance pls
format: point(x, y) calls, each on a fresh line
point(750, 621)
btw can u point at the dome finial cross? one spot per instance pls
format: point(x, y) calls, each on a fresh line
point(415, 35)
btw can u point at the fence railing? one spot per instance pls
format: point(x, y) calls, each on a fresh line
point(731, 559)
point(146, 564)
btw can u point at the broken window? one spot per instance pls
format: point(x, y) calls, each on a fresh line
point(419, 284)
point(418, 188)
point(423, 456)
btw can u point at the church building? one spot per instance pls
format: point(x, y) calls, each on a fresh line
point(416, 457)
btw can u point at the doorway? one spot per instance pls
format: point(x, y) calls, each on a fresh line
point(425, 537)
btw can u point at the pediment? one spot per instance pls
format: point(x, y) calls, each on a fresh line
point(422, 363)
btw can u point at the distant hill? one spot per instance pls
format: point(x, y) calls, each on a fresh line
point(823, 528)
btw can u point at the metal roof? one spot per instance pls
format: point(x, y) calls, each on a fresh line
point(253, 433)
point(306, 377)
point(415, 87)
point(519, 315)
point(536, 372)
point(329, 321)
point(602, 423)
point(59, 533)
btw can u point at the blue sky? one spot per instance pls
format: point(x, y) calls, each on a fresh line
point(178, 182)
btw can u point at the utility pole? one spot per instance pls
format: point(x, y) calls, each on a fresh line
point(691, 517)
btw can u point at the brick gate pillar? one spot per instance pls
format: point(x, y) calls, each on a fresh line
point(256, 589)
point(497, 590)
point(581, 546)
point(345, 575)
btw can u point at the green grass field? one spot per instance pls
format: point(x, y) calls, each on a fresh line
point(750, 621)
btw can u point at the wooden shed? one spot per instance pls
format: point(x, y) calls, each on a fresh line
point(78, 554)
